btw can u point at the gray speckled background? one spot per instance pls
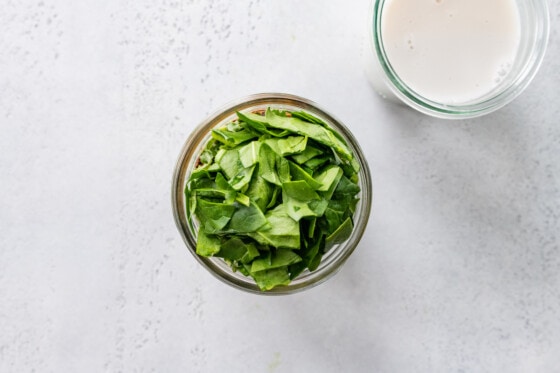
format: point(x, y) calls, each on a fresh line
point(459, 270)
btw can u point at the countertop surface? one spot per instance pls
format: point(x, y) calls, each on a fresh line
point(459, 268)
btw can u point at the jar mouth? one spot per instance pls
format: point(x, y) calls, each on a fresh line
point(535, 32)
point(188, 229)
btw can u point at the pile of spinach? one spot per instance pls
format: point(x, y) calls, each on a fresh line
point(272, 192)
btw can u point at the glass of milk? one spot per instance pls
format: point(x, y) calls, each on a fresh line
point(455, 58)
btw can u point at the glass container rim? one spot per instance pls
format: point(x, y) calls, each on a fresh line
point(197, 136)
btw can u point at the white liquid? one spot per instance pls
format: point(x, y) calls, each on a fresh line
point(451, 51)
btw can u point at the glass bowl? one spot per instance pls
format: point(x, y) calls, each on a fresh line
point(534, 28)
point(333, 259)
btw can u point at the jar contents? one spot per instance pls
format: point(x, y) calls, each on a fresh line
point(272, 192)
point(451, 51)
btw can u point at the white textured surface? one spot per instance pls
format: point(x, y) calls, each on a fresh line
point(459, 270)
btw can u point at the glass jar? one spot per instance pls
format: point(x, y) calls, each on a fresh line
point(534, 31)
point(333, 259)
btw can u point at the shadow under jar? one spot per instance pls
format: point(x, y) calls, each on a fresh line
point(188, 160)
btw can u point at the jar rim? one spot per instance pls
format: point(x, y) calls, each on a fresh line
point(191, 149)
point(470, 110)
